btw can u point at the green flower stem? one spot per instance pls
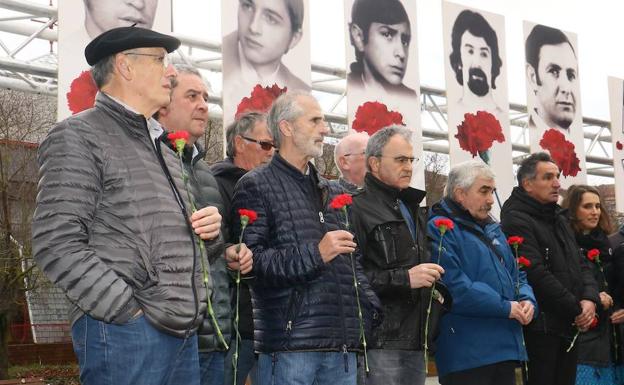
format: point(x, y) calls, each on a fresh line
point(433, 289)
point(202, 257)
point(578, 331)
point(356, 286)
point(515, 246)
point(237, 336)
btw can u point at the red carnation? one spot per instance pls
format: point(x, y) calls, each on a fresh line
point(515, 240)
point(619, 145)
point(523, 262)
point(562, 152)
point(81, 95)
point(443, 224)
point(477, 133)
point(371, 117)
point(248, 216)
point(340, 201)
point(593, 255)
point(178, 139)
point(594, 323)
point(260, 100)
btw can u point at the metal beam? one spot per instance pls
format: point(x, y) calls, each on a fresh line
point(30, 8)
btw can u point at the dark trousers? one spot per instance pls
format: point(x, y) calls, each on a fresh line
point(549, 363)
point(500, 373)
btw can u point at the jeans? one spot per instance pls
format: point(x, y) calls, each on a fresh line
point(246, 363)
point(307, 368)
point(211, 368)
point(134, 353)
point(390, 367)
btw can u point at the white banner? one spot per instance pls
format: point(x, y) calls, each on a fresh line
point(476, 84)
point(554, 99)
point(80, 21)
point(382, 64)
point(265, 42)
point(616, 104)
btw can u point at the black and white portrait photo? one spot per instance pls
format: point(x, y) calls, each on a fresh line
point(616, 107)
point(82, 21)
point(100, 16)
point(553, 95)
point(264, 42)
point(476, 80)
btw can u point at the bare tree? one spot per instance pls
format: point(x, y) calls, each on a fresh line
point(213, 141)
point(435, 180)
point(24, 119)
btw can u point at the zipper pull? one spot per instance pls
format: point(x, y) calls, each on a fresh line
point(345, 354)
point(321, 218)
point(289, 326)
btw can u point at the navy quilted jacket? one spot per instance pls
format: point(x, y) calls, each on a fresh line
point(299, 302)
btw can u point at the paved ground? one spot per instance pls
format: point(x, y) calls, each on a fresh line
point(432, 381)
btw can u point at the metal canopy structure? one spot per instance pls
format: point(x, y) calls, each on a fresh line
point(35, 22)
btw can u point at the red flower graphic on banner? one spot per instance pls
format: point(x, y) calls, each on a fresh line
point(619, 145)
point(370, 117)
point(260, 100)
point(477, 133)
point(562, 151)
point(81, 95)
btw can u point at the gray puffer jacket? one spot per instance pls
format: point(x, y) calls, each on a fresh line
point(110, 227)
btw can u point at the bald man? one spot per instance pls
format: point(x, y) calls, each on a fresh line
point(349, 158)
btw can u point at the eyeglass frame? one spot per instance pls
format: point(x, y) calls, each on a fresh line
point(166, 58)
point(262, 143)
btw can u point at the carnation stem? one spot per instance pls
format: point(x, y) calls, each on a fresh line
point(237, 336)
point(526, 365)
point(442, 232)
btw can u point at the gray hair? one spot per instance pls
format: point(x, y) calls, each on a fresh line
point(189, 70)
point(464, 174)
point(378, 141)
point(285, 107)
point(242, 126)
point(102, 71)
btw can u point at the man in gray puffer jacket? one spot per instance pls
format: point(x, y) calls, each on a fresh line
point(112, 227)
point(188, 111)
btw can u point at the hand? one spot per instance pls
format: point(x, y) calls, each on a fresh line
point(606, 300)
point(618, 316)
point(424, 275)
point(528, 309)
point(206, 223)
point(516, 312)
point(586, 317)
point(335, 243)
point(241, 260)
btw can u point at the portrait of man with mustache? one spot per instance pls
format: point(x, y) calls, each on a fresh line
point(476, 61)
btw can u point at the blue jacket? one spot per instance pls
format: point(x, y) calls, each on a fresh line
point(299, 302)
point(477, 331)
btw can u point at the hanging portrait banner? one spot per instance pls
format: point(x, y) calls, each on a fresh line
point(554, 100)
point(382, 68)
point(616, 104)
point(80, 21)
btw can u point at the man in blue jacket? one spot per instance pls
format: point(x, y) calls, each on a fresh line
point(480, 340)
point(305, 308)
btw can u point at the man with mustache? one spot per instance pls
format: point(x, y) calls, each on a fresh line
point(188, 111)
point(552, 73)
point(563, 283)
point(380, 33)
point(101, 15)
point(390, 228)
point(306, 323)
point(476, 62)
point(480, 340)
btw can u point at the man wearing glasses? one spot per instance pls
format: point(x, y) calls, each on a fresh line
point(390, 229)
point(249, 145)
point(349, 158)
point(113, 228)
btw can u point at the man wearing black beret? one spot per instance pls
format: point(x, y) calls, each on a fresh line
point(112, 226)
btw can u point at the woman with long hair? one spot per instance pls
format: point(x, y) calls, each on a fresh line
point(600, 350)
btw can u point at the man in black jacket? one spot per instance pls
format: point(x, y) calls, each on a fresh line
point(188, 111)
point(249, 144)
point(563, 284)
point(390, 228)
point(306, 323)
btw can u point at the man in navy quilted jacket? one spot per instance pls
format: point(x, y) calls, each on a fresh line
point(306, 322)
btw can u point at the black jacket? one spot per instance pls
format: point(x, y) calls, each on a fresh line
point(300, 303)
point(559, 275)
point(206, 193)
point(227, 175)
point(596, 346)
point(389, 251)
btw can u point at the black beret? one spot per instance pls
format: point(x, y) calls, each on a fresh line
point(123, 38)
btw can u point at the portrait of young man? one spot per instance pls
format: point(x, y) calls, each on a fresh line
point(101, 16)
point(265, 34)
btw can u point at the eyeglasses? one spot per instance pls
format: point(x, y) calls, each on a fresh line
point(355, 153)
point(164, 59)
point(265, 145)
point(401, 159)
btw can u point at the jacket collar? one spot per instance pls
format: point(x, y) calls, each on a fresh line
point(279, 162)
point(519, 197)
point(410, 196)
point(135, 123)
point(449, 208)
